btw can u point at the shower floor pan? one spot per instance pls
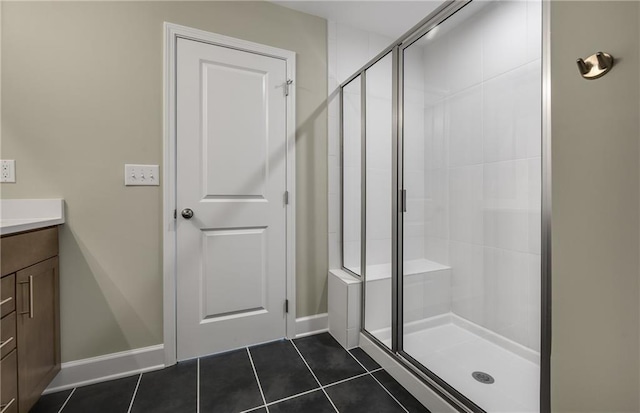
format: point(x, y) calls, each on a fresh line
point(454, 348)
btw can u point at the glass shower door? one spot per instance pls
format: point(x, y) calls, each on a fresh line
point(471, 268)
point(378, 132)
point(352, 113)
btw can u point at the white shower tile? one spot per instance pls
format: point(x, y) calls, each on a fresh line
point(337, 304)
point(415, 96)
point(379, 79)
point(413, 66)
point(512, 207)
point(434, 65)
point(437, 250)
point(378, 251)
point(377, 43)
point(331, 29)
point(334, 175)
point(351, 255)
point(533, 304)
point(464, 46)
point(332, 58)
point(413, 297)
point(413, 248)
point(437, 293)
point(414, 183)
point(334, 212)
point(413, 134)
point(378, 204)
point(534, 30)
point(379, 133)
point(334, 251)
point(512, 116)
point(436, 143)
point(466, 208)
point(412, 230)
point(464, 123)
point(334, 136)
point(506, 292)
point(354, 299)
point(504, 37)
point(352, 50)
point(333, 105)
point(467, 281)
point(415, 211)
point(378, 311)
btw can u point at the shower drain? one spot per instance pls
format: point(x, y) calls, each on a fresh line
point(483, 377)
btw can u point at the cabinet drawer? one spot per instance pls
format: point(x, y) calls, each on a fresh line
point(9, 383)
point(8, 297)
point(22, 250)
point(7, 334)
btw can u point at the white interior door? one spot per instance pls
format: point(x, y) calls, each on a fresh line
point(231, 172)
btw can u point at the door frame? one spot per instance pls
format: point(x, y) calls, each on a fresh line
point(171, 34)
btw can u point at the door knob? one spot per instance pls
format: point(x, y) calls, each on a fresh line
point(187, 213)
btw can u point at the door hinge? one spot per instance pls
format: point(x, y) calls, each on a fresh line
point(286, 197)
point(286, 306)
point(286, 86)
point(175, 214)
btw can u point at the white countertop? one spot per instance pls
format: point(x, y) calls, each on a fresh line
point(17, 215)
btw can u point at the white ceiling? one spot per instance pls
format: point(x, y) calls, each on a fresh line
point(390, 18)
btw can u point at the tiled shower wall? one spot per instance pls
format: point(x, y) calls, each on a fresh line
point(483, 165)
point(472, 160)
point(349, 49)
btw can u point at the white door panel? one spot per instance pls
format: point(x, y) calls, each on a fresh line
point(231, 171)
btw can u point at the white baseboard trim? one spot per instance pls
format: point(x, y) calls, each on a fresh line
point(313, 324)
point(108, 367)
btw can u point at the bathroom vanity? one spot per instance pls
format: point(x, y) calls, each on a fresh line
point(29, 306)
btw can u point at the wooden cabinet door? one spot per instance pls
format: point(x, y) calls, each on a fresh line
point(38, 330)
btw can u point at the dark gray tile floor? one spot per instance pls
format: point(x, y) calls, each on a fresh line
point(313, 374)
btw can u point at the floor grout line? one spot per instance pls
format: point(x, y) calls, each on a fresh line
point(377, 381)
point(253, 409)
point(258, 380)
point(347, 379)
point(135, 391)
point(304, 393)
point(198, 386)
point(314, 376)
point(67, 401)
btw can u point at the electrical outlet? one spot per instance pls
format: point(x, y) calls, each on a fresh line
point(7, 170)
point(141, 175)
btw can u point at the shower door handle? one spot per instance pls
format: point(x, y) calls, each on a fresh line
point(404, 199)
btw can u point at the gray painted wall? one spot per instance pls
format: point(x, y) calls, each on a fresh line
point(595, 133)
point(82, 96)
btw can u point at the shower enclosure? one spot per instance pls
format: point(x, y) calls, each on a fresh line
point(444, 189)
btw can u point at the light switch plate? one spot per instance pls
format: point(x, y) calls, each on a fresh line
point(141, 175)
point(7, 170)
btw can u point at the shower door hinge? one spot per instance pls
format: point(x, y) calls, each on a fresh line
point(286, 86)
point(286, 197)
point(286, 306)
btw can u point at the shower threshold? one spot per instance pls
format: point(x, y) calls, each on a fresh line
point(454, 348)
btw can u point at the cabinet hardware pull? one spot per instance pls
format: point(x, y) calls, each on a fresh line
point(7, 341)
point(30, 312)
point(4, 407)
point(30, 297)
point(6, 300)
